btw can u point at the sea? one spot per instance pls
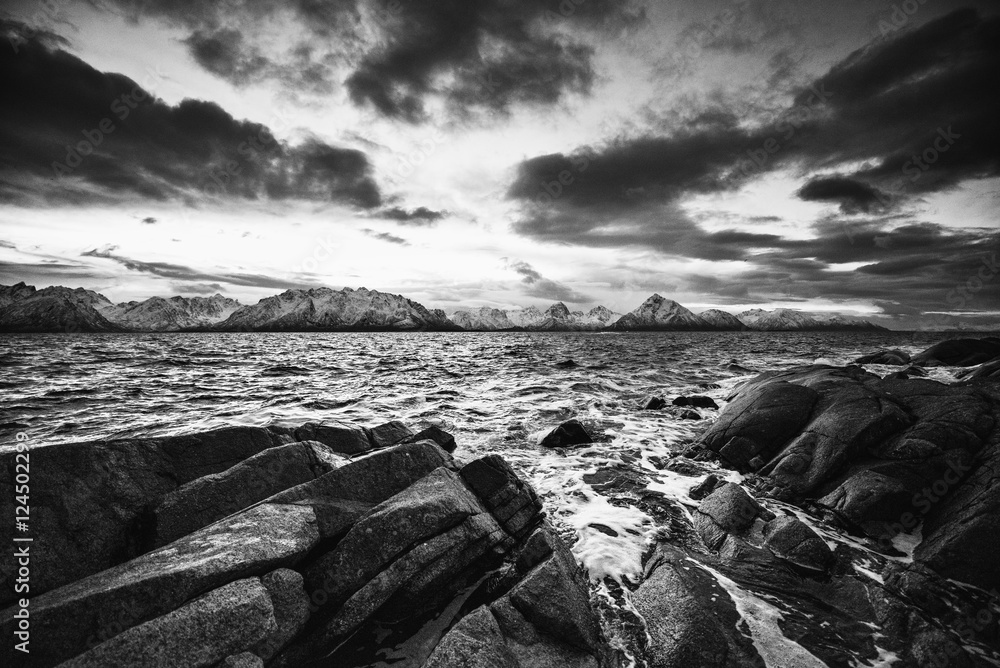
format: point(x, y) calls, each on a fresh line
point(496, 392)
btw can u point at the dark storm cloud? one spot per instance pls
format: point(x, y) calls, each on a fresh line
point(853, 196)
point(179, 272)
point(484, 55)
point(73, 134)
point(885, 105)
point(529, 275)
point(421, 216)
point(387, 237)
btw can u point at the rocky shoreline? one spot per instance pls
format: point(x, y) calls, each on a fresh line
point(862, 531)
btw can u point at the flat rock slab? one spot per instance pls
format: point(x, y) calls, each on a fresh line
point(213, 497)
point(342, 496)
point(86, 498)
point(94, 609)
point(225, 621)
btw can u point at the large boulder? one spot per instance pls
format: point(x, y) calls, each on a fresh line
point(892, 357)
point(567, 435)
point(342, 496)
point(344, 439)
point(212, 497)
point(87, 499)
point(789, 538)
point(291, 610)
point(225, 621)
point(89, 611)
point(727, 510)
point(512, 502)
point(959, 352)
point(759, 421)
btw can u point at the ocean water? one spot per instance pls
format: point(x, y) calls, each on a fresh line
point(496, 392)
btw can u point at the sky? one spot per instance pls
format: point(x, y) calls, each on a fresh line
point(735, 154)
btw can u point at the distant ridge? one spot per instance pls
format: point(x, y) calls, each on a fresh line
point(60, 309)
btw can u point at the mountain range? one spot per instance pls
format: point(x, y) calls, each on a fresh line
point(60, 309)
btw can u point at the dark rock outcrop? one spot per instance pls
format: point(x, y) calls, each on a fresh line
point(697, 401)
point(305, 553)
point(567, 435)
point(893, 357)
point(959, 352)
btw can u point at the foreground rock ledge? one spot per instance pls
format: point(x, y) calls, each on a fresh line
point(244, 547)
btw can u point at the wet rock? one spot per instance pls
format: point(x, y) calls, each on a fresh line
point(511, 501)
point(690, 622)
point(873, 501)
point(989, 369)
point(567, 435)
point(652, 403)
point(342, 496)
point(690, 415)
point(436, 434)
point(705, 487)
point(727, 510)
point(959, 352)
point(87, 499)
point(343, 439)
point(389, 433)
point(760, 420)
point(212, 497)
point(789, 538)
point(893, 357)
point(223, 622)
point(96, 608)
point(566, 364)
point(697, 401)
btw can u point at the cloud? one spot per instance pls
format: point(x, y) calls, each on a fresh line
point(853, 196)
point(149, 220)
point(72, 134)
point(177, 272)
point(544, 288)
point(421, 216)
point(385, 236)
point(394, 56)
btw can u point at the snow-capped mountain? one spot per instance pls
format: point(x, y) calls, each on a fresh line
point(482, 319)
point(784, 319)
point(556, 318)
point(54, 309)
point(721, 319)
point(659, 313)
point(325, 309)
point(163, 315)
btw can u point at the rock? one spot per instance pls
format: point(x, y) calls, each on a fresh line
point(475, 642)
point(760, 420)
point(690, 415)
point(566, 364)
point(704, 488)
point(652, 403)
point(418, 548)
point(989, 369)
point(959, 352)
point(789, 538)
point(389, 433)
point(225, 621)
point(291, 610)
point(87, 499)
point(242, 660)
point(96, 608)
point(873, 501)
point(436, 434)
point(688, 622)
point(212, 497)
point(342, 496)
point(893, 357)
point(343, 439)
point(727, 510)
point(511, 501)
point(567, 435)
point(697, 401)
